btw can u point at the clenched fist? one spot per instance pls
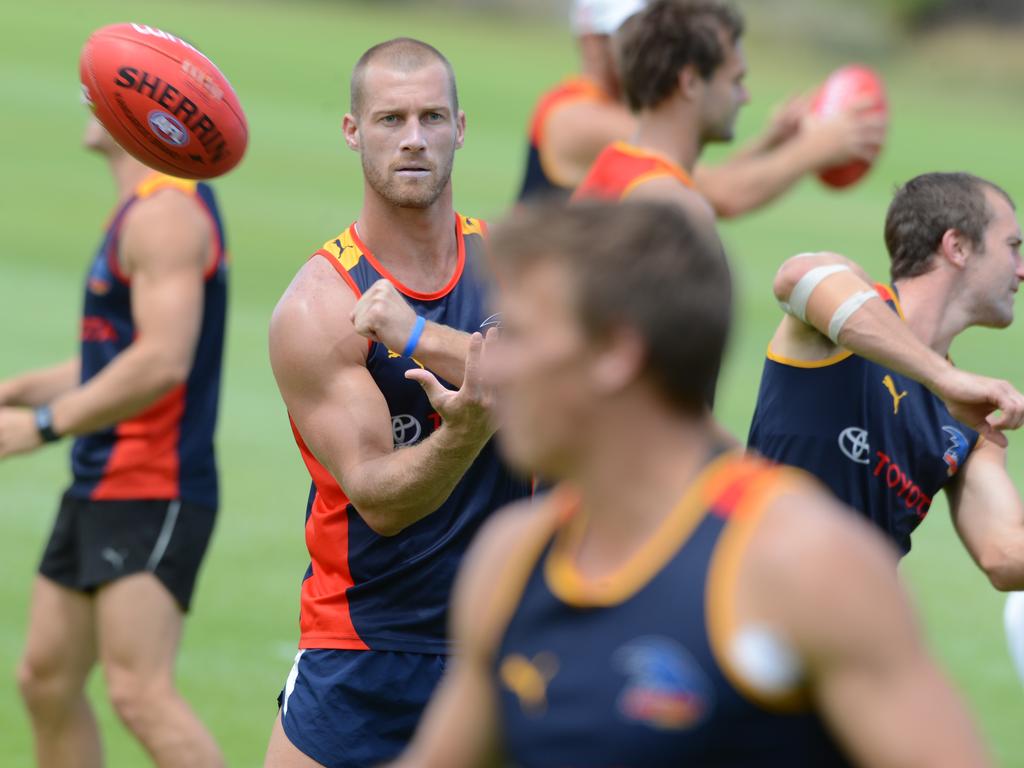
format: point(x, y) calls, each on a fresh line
point(384, 316)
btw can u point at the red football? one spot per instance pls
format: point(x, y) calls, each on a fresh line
point(842, 88)
point(163, 101)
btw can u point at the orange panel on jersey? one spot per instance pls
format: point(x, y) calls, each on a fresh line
point(144, 461)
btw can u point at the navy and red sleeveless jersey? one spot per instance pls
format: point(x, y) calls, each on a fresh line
point(883, 443)
point(537, 181)
point(165, 452)
point(621, 167)
point(636, 671)
point(365, 591)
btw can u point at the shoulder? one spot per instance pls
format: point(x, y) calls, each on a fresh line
point(496, 568)
point(811, 557)
point(313, 319)
point(668, 189)
point(168, 228)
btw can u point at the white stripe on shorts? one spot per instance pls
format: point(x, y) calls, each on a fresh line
point(170, 520)
point(289, 684)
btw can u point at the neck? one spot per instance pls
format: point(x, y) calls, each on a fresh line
point(931, 310)
point(659, 130)
point(128, 173)
point(417, 245)
point(595, 64)
point(627, 492)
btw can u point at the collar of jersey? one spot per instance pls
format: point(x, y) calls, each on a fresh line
point(671, 167)
point(413, 294)
point(570, 586)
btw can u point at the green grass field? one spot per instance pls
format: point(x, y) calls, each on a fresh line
point(299, 186)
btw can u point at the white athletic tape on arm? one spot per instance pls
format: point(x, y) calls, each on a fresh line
point(846, 309)
point(805, 286)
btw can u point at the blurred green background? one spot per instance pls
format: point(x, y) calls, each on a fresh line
point(955, 104)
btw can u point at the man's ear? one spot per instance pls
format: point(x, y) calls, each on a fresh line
point(350, 129)
point(460, 129)
point(689, 82)
point(954, 248)
point(619, 362)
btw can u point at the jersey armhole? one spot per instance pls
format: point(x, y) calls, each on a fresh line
point(792, 362)
point(720, 592)
point(348, 280)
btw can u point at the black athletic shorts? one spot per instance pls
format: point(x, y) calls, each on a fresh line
point(96, 542)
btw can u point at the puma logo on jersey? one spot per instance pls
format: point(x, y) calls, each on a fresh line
point(528, 679)
point(896, 397)
point(112, 556)
point(392, 355)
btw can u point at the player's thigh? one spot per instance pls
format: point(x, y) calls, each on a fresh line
point(138, 626)
point(60, 645)
point(281, 753)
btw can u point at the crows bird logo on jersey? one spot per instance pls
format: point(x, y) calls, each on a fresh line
point(956, 451)
point(665, 687)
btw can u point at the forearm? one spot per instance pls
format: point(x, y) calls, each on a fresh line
point(752, 179)
point(394, 491)
point(443, 350)
point(988, 515)
point(132, 382)
point(41, 386)
point(878, 334)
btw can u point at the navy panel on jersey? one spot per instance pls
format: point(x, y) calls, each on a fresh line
point(883, 443)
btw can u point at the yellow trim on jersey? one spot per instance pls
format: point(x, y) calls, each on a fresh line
point(895, 300)
point(720, 587)
point(507, 590)
point(571, 587)
point(659, 173)
point(794, 363)
point(471, 225)
point(158, 181)
point(348, 253)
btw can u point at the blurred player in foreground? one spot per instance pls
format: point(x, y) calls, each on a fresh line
point(673, 603)
point(403, 476)
point(141, 401)
point(580, 117)
point(858, 388)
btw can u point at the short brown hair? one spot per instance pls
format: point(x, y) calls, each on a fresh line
point(925, 208)
point(405, 54)
point(642, 264)
point(655, 44)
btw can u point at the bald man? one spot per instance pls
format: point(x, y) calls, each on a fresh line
point(402, 468)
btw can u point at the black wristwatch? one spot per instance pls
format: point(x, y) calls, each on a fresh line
point(44, 423)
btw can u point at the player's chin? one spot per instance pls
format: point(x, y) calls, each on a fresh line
point(520, 453)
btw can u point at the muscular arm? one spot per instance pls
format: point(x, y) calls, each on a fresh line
point(460, 726)
point(875, 332)
point(165, 246)
point(830, 586)
point(766, 170)
point(39, 387)
point(319, 362)
point(989, 516)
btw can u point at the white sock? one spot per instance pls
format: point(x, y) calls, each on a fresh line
point(1013, 618)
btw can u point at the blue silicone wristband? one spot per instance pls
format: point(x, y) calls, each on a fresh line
point(414, 337)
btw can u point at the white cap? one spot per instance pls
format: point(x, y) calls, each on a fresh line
point(602, 17)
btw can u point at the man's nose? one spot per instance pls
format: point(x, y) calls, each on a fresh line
point(413, 140)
